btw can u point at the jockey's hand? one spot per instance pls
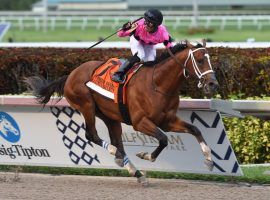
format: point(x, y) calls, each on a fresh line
point(127, 26)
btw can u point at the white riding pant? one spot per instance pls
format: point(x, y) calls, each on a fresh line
point(145, 52)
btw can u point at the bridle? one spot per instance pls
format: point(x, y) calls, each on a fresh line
point(198, 72)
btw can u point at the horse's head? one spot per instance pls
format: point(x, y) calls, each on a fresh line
point(197, 63)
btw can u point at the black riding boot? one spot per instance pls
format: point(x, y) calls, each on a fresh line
point(120, 75)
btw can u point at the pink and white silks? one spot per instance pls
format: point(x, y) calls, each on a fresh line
point(143, 42)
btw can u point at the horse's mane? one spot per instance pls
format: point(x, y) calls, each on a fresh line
point(165, 54)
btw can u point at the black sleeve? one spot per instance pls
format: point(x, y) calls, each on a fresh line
point(167, 41)
point(132, 33)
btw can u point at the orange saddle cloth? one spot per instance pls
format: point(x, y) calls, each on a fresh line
point(102, 83)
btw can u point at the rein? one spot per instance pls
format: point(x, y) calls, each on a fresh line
point(153, 81)
point(177, 61)
point(156, 89)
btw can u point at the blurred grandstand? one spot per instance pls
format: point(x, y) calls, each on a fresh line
point(206, 6)
point(235, 14)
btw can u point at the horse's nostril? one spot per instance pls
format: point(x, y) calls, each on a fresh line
point(213, 85)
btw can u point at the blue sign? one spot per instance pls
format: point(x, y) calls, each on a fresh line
point(9, 128)
point(3, 29)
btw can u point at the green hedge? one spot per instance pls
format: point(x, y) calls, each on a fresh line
point(250, 139)
point(243, 71)
point(51, 63)
point(239, 71)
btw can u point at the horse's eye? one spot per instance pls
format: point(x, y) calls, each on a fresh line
point(201, 61)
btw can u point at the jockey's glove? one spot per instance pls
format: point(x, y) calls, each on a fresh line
point(126, 26)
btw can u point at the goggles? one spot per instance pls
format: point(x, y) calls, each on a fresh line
point(149, 24)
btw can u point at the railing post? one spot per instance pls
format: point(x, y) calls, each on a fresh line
point(45, 15)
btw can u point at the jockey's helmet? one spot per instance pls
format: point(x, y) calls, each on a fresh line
point(154, 16)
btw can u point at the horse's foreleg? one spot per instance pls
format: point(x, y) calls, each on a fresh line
point(149, 128)
point(180, 126)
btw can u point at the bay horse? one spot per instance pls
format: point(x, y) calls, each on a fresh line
point(152, 100)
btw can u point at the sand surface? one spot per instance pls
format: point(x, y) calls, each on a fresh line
point(39, 186)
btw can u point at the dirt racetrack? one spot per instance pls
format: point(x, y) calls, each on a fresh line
point(49, 187)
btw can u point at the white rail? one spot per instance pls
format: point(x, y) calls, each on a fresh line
point(221, 22)
point(124, 44)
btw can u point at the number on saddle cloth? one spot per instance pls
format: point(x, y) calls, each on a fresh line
point(101, 81)
point(111, 63)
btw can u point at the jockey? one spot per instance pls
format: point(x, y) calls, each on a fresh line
point(144, 34)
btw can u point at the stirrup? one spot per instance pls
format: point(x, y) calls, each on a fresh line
point(117, 78)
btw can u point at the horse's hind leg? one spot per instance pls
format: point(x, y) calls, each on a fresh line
point(88, 110)
point(115, 132)
point(91, 132)
point(121, 159)
point(86, 106)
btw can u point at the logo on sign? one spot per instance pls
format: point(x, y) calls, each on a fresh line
point(9, 129)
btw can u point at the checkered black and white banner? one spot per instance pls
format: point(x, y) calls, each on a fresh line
point(73, 135)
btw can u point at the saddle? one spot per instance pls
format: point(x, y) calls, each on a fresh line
point(101, 81)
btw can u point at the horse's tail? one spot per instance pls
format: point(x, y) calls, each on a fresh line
point(43, 89)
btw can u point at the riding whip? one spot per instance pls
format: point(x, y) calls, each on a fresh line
point(111, 35)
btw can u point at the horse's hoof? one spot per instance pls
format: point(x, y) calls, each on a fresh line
point(143, 181)
point(145, 156)
point(142, 155)
point(209, 164)
point(119, 162)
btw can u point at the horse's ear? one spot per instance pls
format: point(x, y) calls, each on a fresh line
point(188, 44)
point(204, 42)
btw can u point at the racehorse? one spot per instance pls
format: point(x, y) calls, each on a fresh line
point(152, 100)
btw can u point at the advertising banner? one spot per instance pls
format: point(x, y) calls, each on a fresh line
point(55, 136)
